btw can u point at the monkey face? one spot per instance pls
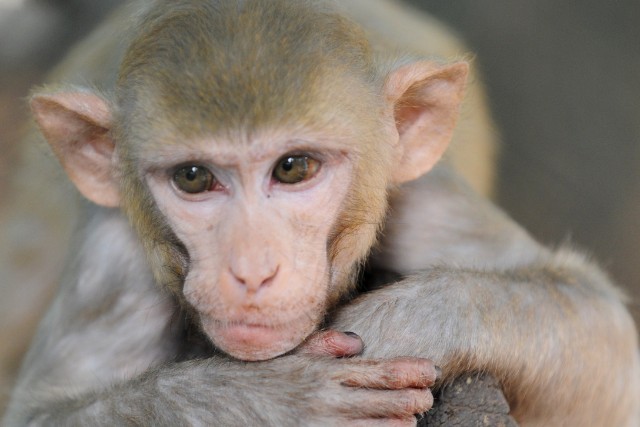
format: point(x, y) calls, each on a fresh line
point(254, 217)
point(255, 223)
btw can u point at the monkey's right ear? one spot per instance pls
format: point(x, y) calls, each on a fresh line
point(76, 125)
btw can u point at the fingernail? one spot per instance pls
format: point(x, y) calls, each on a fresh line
point(438, 372)
point(351, 334)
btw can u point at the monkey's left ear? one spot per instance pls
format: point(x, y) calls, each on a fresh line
point(425, 98)
point(76, 125)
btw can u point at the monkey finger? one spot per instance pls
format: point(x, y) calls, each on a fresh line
point(385, 422)
point(393, 374)
point(384, 404)
point(332, 343)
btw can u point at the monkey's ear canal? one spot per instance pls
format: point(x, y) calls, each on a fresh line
point(425, 98)
point(76, 125)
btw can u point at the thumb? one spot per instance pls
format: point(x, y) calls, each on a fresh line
point(332, 343)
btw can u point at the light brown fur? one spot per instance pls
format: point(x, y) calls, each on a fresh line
point(376, 122)
point(50, 217)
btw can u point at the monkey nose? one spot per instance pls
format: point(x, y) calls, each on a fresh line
point(255, 279)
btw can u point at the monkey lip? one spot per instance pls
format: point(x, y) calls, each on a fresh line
point(240, 327)
point(254, 333)
point(256, 341)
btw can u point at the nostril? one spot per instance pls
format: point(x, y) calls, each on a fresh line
point(271, 277)
point(255, 279)
point(239, 279)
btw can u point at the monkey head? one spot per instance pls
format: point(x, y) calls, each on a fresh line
point(252, 153)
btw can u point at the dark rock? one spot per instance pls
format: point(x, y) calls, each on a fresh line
point(470, 401)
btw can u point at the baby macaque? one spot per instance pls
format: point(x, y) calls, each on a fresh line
point(247, 158)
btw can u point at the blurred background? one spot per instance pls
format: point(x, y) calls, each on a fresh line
point(563, 81)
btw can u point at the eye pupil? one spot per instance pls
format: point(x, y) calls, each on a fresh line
point(287, 165)
point(192, 173)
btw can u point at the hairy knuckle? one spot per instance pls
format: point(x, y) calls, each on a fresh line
point(417, 401)
point(403, 422)
point(398, 375)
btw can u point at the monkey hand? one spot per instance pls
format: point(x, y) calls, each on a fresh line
point(357, 391)
point(408, 377)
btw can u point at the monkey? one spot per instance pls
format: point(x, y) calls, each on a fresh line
point(37, 262)
point(254, 151)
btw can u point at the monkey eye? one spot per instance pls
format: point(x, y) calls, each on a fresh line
point(292, 169)
point(194, 179)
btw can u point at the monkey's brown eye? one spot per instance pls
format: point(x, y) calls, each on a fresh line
point(294, 169)
point(194, 179)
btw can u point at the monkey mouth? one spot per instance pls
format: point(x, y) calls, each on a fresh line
point(257, 341)
point(252, 332)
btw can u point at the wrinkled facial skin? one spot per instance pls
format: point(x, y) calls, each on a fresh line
point(259, 272)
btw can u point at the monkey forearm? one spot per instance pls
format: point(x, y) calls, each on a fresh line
point(200, 392)
point(287, 391)
point(528, 325)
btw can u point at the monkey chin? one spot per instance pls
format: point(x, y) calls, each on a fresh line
point(255, 342)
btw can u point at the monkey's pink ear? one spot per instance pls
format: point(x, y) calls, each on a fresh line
point(76, 125)
point(426, 98)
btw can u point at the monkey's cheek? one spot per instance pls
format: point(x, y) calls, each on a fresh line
point(256, 342)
